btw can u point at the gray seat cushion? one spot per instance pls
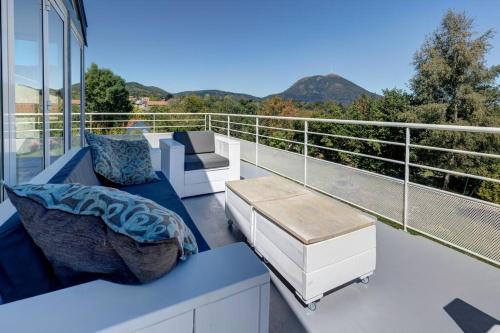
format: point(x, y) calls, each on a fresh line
point(196, 142)
point(204, 161)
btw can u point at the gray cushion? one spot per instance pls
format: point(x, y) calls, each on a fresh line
point(77, 170)
point(124, 162)
point(196, 142)
point(205, 161)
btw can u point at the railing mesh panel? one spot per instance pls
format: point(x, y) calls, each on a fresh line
point(281, 161)
point(381, 194)
point(470, 224)
point(247, 150)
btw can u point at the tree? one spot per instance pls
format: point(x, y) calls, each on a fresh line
point(453, 84)
point(451, 68)
point(105, 92)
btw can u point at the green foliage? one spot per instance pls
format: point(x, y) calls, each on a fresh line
point(452, 85)
point(105, 92)
point(451, 69)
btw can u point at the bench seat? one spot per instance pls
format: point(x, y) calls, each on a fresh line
point(314, 242)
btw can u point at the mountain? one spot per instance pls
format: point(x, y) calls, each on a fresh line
point(216, 93)
point(320, 88)
point(139, 90)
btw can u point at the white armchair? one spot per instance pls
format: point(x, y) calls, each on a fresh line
point(198, 163)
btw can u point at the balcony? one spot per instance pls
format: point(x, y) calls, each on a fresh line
point(437, 251)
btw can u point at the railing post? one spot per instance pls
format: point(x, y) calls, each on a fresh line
point(90, 122)
point(407, 178)
point(205, 122)
point(228, 126)
point(210, 122)
point(306, 128)
point(154, 128)
point(257, 141)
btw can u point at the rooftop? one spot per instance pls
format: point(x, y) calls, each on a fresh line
point(418, 286)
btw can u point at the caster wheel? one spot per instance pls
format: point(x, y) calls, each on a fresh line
point(312, 306)
point(230, 223)
point(265, 260)
point(365, 280)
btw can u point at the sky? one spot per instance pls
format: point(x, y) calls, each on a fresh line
point(262, 47)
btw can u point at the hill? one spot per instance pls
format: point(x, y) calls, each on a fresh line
point(216, 93)
point(320, 88)
point(138, 90)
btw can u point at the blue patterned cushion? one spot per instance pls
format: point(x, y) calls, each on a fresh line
point(122, 162)
point(136, 217)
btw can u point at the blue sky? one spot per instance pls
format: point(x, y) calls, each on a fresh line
point(263, 46)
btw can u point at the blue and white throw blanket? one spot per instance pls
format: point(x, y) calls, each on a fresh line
point(139, 218)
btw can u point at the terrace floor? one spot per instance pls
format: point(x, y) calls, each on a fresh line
point(418, 286)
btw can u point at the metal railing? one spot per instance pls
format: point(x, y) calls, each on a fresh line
point(469, 224)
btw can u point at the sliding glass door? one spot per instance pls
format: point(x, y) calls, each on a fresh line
point(40, 92)
point(28, 63)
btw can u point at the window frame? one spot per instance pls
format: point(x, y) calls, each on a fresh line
point(8, 167)
point(73, 31)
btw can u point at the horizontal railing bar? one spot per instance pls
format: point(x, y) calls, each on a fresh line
point(280, 139)
point(31, 114)
point(358, 154)
point(242, 132)
point(219, 121)
point(222, 128)
point(176, 126)
point(459, 151)
point(236, 123)
point(282, 129)
point(147, 113)
point(141, 127)
point(176, 120)
point(475, 129)
point(144, 120)
point(29, 130)
point(358, 139)
point(456, 173)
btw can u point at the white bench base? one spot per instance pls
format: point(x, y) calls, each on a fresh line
point(312, 270)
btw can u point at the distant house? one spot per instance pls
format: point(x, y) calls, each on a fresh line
point(135, 125)
point(145, 102)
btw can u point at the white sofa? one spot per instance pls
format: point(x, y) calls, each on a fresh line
point(225, 289)
point(222, 290)
point(200, 179)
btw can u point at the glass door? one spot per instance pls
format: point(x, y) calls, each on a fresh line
point(55, 81)
point(28, 81)
point(39, 80)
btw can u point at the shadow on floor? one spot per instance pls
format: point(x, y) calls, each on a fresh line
point(469, 318)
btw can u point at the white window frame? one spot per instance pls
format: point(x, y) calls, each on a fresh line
point(58, 6)
point(73, 30)
point(8, 107)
